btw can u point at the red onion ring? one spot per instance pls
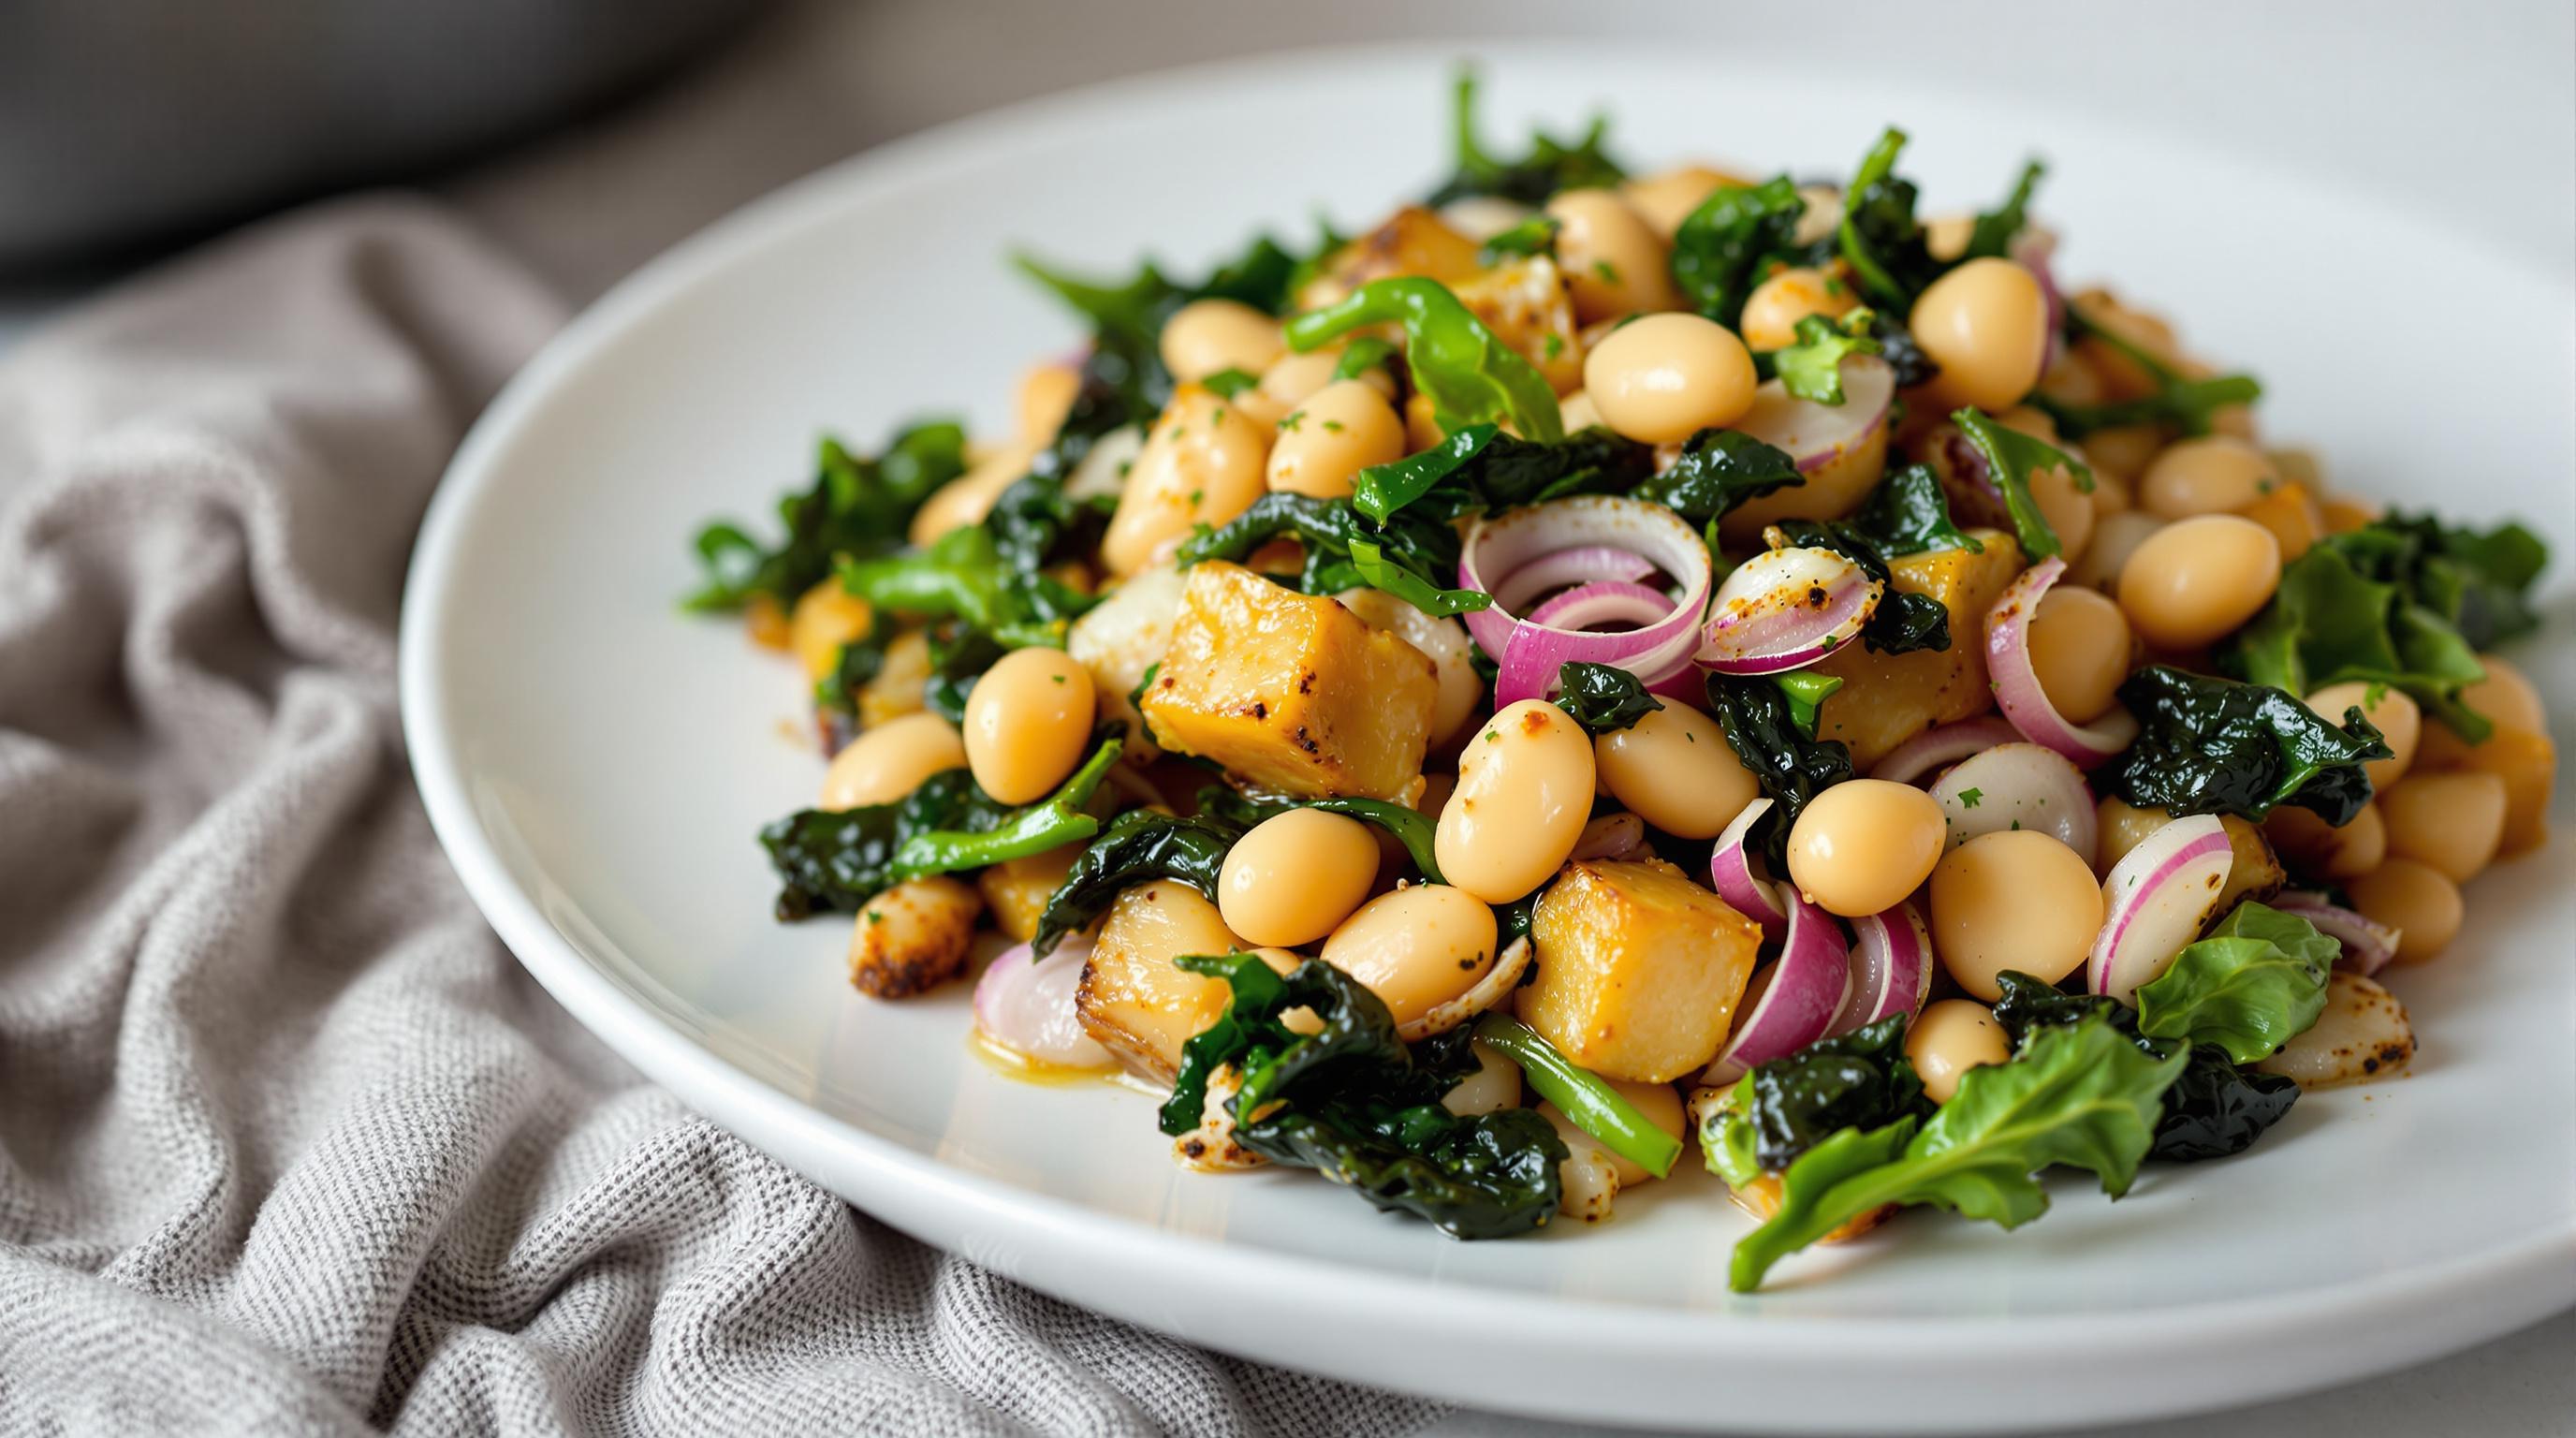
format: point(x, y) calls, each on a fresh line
point(1932, 748)
point(1027, 1007)
point(1785, 609)
point(2016, 679)
point(2162, 893)
point(1891, 968)
point(2368, 946)
point(2018, 786)
point(1809, 983)
point(2031, 248)
point(1601, 602)
point(1586, 564)
point(1730, 873)
point(1501, 546)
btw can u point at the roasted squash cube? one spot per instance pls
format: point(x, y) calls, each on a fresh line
point(1018, 889)
point(1413, 241)
point(1887, 699)
point(1639, 969)
point(1132, 998)
point(1527, 308)
point(1291, 692)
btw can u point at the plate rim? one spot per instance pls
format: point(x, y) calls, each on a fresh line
point(2512, 1285)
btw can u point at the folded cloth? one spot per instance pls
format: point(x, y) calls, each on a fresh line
point(287, 1142)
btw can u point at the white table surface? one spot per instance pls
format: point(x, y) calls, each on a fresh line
point(2468, 109)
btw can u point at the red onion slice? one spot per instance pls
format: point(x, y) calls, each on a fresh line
point(1785, 609)
point(1809, 983)
point(1585, 564)
point(1605, 601)
point(1730, 873)
point(1950, 743)
point(1815, 435)
point(2161, 895)
point(1500, 546)
point(2017, 786)
point(2016, 680)
point(1891, 968)
point(1028, 1007)
point(2032, 248)
point(2368, 946)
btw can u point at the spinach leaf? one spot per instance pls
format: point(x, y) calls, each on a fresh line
point(1812, 368)
point(1471, 377)
point(1550, 166)
point(1343, 550)
point(2179, 402)
point(2214, 746)
point(1352, 1101)
point(1879, 236)
point(1603, 698)
point(1791, 767)
point(2326, 624)
point(855, 506)
point(1718, 470)
point(2083, 1096)
point(1138, 847)
point(1722, 248)
point(1904, 621)
point(838, 860)
point(2009, 457)
point(1994, 231)
point(2214, 1109)
point(959, 655)
point(1480, 468)
point(2255, 982)
point(965, 575)
point(1906, 513)
point(1778, 1111)
point(1807, 692)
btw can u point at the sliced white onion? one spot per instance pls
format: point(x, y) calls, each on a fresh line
point(1891, 968)
point(2161, 894)
point(1785, 609)
point(1929, 750)
point(2368, 946)
point(1612, 836)
point(1731, 874)
point(1808, 985)
point(1028, 1007)
point(2017, 786)
point(2016, 679)
point(1531, 654)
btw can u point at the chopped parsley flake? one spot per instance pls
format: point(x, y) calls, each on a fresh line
point(1295, 421)
point(1972, 797)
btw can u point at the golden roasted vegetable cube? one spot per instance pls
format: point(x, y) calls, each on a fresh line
point(1887, 699)
point(1639, 969)
point(913, 937)
point(1018, 889)
point(1132, 998)
point(1527, 308)
point(1290, 691)
point(1413, 241)
point(900, 681)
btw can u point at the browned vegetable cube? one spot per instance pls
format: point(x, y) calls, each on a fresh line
point(1887, 699)
point(913, 937)
point(1639, 969)
point(1132, 998)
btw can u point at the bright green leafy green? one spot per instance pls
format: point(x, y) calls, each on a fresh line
point(2478, 581)
point(2083, 1096)
point(1779, 1110)
point(1586, 1101)
point(1361, 355)
point(1343, 550)
point(1533, 236)
point(964, 575)
point(2327, 624)
point(1791, 766)
point(1471, 377)
point(2257, 981)
point(2179, 402)
point(1807, 692)
point(855, 506)
point(2010, 458)
point(2214, 746)
point(2215, 1109)
point(1812, 368)
point(1879, 237)
point(1906, 513)
point(1995, 229)
point(1480, 468)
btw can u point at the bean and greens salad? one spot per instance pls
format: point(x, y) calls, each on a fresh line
point(1597, 665)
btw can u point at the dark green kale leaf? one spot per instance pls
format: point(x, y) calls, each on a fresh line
point(837, 860)
point(1907, 513)
point(1352, 1101)
point(1718, 470)
point(2327, 624)
point(1137, 847)
point(1781, 1109)
point(959, 655)
point(2477, 583)
point(2214, 1109)
point(1603, 698)
point(1480, 469)
point(1550, 166)
point(855, 506)
point(2215, 746)
point(1904, 621)
point(1992, 238)
point(1879, 237)
point(1407, 558)
point(1722, 249)
point(1791, 767)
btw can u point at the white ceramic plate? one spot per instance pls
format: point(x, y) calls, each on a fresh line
point(597, 765)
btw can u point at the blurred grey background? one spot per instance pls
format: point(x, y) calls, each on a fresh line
point(589, 135)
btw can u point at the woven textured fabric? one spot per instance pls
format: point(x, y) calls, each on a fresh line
point(288, 1144)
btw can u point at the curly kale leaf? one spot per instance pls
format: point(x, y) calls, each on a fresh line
point(1352, 1101)
point(1791, 767)
point(2214, 746)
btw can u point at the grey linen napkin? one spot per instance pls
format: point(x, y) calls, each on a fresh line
point(287, 1142)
